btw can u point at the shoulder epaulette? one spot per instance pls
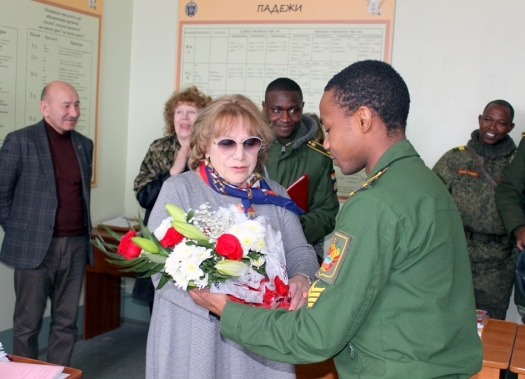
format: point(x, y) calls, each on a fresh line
point(368, 183)
point(522, 134)
point(460, 148)
point(314, 145)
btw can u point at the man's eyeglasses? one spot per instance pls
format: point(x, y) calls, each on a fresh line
point(250, 145)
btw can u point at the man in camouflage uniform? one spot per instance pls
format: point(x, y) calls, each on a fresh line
point(471, 173)
point(510, 200)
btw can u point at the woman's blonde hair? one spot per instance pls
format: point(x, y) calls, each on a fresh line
point(220, 117)
point(190, 95)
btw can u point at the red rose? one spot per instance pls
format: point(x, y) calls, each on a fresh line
point(171, 238)
point(229, 247)
point(127, 248)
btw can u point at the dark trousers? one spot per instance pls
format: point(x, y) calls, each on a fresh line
point(59, 277)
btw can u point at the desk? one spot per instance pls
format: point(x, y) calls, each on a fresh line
point(72, 372)
point(102, 292)
point(497, 339)
point(517, 363)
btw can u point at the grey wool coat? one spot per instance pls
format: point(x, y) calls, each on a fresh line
point(184, 339)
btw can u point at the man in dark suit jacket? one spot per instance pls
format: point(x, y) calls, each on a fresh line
point(45, 176)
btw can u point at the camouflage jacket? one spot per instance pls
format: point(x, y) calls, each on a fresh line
point(154, 171)
point(473, 194)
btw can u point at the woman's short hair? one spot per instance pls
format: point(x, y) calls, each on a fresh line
point(190, 95)
point(219, 118)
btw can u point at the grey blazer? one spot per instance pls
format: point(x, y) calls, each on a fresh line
point(28, 198)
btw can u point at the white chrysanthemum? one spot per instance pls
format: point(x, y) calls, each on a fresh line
point(254, 227)
point(180, 280)
point(200, 253)
point(201, 283)
point(246, 240)
point(172, 266)
point(183, 251)
point(257, 262)
point(190, 269)
point(160, 232)
point(259, 245)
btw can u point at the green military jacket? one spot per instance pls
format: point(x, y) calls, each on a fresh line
point(394, 296)
point(510, 195)
point(286, 164)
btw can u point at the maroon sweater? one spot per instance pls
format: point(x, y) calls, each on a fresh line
point(69, 220)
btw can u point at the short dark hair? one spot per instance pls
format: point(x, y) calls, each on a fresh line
point(503, 103)
point(284, 84)
point(376, 85)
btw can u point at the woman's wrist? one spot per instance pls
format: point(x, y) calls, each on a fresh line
point(307, 277)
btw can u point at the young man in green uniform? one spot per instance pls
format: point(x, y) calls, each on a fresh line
point(294, 152)
point(394, 298)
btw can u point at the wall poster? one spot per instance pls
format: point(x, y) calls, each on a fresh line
point(240, 46)
point(42, 41)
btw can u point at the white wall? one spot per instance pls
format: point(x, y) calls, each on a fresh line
point(455, 57)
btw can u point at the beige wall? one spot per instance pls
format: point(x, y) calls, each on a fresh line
point(455, 57)
point(107, 199)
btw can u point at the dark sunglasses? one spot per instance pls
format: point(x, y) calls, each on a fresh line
point(250, 145)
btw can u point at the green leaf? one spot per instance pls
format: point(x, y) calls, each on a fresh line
point(157, 258)
point(103, 245)
point(163, 280)
point(190, 215)
point(112, 233)
point(121, 262)
point(154, 270)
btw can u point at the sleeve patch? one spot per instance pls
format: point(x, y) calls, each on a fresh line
point(334, 258)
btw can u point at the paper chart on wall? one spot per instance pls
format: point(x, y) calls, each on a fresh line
point(231, 47)
point(243, 58)
point(42, 41)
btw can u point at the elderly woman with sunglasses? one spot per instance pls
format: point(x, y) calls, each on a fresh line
point(229, 143)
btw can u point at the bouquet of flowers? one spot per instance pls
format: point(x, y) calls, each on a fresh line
point(222, 249)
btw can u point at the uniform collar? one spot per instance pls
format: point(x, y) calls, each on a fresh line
point(399, 150)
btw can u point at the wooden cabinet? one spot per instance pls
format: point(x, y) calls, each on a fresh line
point(102, 286)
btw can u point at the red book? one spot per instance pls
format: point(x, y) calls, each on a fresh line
point(298, 192)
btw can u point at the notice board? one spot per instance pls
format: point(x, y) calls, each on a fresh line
point(43, 41)
point(232, 46)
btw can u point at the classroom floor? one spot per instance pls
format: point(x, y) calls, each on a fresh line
point(120, 353)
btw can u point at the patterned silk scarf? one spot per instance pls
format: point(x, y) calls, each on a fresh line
point(257, 192)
